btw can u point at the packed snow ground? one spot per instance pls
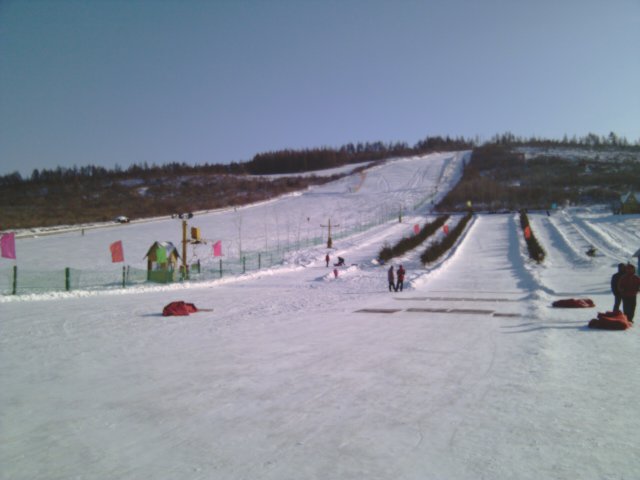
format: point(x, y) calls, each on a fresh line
point(296, 374)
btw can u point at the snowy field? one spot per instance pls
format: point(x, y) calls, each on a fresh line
point(295, 374)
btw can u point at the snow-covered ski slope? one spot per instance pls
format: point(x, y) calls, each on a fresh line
point(467, 374)
point(403, 185)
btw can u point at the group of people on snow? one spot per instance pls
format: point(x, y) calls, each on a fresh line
point(339, 263)
point(396, 285)
point(396, 278)
point(625, 285)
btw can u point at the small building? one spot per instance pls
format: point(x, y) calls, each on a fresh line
point(162, 262)
point(630, 203)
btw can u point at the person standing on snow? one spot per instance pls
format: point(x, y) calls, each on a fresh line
point(391, 278)
point(615, 278)
point(326, 259)
point(401, 272)
point(628, 286)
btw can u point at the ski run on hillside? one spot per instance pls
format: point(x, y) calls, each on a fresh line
point(296, 373)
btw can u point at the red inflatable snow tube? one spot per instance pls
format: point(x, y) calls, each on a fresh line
point(610, 321)
point(574, 303)
point(178, 309)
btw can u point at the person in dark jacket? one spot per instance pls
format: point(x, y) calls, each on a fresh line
point(628, 286)
point(615, 278)
point(391, 278)
point(326, 259)
point(400, 273)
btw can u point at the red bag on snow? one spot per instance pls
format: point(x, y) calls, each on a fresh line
point(178, 309)
point(610, 321)
point(574, 303)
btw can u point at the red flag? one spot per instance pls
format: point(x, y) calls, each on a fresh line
point(8, 245)
point(117, 255)
point(527, 232)
point(217, 249)
point(416, 229)
point(445, 229)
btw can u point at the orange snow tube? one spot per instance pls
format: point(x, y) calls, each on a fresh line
point(610, 321)
point(574, 303)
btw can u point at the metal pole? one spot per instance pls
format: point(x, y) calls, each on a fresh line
point(185, 274)
point(66, 279)
point(15, 279)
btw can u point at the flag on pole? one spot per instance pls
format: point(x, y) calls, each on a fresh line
point(8, 245)
point(117, 254)
point(527, 232)
point(217, 249)
point(445, 229)
point(416, 229)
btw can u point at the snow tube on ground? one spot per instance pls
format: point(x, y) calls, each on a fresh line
point(610, 321)
point(574, 303)
point(178, 309)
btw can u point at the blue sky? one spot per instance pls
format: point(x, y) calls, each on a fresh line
point(108, 82)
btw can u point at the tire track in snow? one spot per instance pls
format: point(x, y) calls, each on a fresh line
point(552, 235)
point(610, 243)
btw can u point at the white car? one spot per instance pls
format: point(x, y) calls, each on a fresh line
point(122, 219)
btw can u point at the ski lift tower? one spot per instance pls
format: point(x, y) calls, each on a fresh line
point(184, 217)
point(329, 240)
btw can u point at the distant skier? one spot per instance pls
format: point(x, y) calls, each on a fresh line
point(326, 259)
point(400, 284)
point(615, 278)
point(391, 278)
point(628, 286)
point(340, 262)
point(335, 273)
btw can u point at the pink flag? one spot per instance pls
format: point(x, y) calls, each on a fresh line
point(8, 245)
point(445, 229)
point(217, 249)
point(117, 255)
point(416, 229)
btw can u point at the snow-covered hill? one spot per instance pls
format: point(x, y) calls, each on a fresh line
point(296, 374)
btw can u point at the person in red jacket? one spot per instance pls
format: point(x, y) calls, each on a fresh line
point(400, 274)
point(628, 287)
